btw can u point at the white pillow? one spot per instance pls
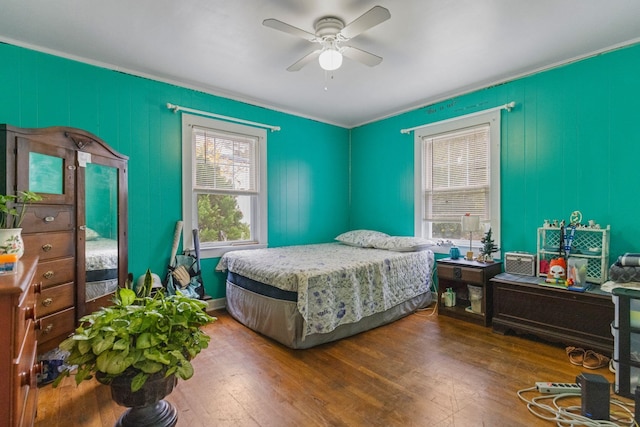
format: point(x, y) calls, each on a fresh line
point(91, 234)
point(360, 238)
point(403, 243)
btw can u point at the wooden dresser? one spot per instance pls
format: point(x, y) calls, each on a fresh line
point(49, 234)
point(18, 366)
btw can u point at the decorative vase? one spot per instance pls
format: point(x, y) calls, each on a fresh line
point(11, 241)
point(146, 406)
point(454, 252)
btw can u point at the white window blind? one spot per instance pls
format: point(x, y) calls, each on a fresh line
point(224, 185)
point(458, 181)
point(224, 162)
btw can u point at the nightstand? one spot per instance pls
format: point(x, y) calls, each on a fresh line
point(458, 274)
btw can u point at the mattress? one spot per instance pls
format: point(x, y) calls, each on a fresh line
point(101, 256)
point(331, 287)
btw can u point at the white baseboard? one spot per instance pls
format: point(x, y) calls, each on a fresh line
point(216, 304)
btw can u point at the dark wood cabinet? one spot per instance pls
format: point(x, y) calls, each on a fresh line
point(18, 364)
point(458, 275)
point(83, 185)
point(581, 319)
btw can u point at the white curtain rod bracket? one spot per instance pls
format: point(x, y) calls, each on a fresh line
point(177, 108)
point(509, 106)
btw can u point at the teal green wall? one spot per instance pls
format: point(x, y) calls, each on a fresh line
point(571, 143)
point(308, 162)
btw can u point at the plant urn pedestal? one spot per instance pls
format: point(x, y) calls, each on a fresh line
point(146, 406)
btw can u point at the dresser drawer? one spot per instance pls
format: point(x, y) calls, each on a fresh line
point(26, 316)
point(44, 219)
point(56, 326)
point(51, 273)
point(25, 371)
point(464, 274)
point(50, 245)
point(54, 299)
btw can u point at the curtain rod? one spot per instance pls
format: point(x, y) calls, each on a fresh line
point(177, 108)
point(507, 107)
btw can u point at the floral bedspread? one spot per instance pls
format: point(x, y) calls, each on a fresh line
point(101, 254)
point(336, 284)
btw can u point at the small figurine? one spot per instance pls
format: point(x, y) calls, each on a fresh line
point(557, 269)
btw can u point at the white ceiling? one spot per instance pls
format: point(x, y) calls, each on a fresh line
point(432, 49)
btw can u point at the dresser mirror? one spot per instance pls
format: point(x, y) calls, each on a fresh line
point(101, 230)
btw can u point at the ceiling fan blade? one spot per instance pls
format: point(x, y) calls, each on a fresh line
point(297, 66)
point(373, 17)
point(289, 29)
point(361, 56)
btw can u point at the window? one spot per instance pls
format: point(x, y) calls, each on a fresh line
point(224, 185)
point(457, 171)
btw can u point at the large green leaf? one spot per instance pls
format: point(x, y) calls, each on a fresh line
point(113, 362)
point(185, 370)
point(127, 296)
point(148, 366)
point(138, 381)
point(102, 343)
point(148, 340)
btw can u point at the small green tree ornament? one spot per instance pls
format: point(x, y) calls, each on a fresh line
point(488, 246)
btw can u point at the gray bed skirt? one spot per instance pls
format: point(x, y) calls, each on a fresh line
point(281, 320)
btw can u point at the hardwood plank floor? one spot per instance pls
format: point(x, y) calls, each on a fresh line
point(422, 370)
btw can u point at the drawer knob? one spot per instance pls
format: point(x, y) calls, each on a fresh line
point(457, 272)
point(48, 274)
point(49, 219)
point(47, 247)
point(30, 313)
point(47, 302)
point(48, 329)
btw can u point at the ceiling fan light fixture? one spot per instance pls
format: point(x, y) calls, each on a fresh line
point(330, 59)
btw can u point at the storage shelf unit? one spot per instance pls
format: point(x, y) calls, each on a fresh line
point(626, 333)
point(591, 244)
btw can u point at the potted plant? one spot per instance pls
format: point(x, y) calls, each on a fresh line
point(12, 210)
point(488, 247)
point(139, 346)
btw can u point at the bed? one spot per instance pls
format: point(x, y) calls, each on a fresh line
point(306, 295)
point(101, 264)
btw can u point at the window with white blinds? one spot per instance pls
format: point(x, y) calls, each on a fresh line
point(224, 185)
point(224, 162)
point(458, 180)
point(458, 172)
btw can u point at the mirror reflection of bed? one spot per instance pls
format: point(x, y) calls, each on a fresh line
point(101, 265)
point(101, 233)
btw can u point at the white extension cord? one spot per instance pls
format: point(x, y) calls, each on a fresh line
point(567, 416)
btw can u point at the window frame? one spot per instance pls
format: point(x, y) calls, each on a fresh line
point(259, 221)
point(492, 118)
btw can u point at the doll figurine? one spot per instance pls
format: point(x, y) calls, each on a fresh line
point(557, 269)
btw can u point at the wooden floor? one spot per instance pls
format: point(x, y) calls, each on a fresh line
point(422, 370)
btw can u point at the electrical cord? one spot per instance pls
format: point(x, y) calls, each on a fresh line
point(434, 291)
point(565, 416)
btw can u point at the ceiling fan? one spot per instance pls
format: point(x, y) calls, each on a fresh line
point(331, 34)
